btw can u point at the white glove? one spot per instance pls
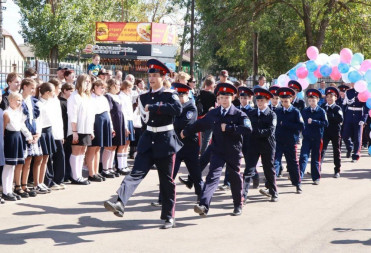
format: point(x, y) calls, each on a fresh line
point(361, 123)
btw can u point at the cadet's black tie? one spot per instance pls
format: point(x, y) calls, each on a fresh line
point(224, 111)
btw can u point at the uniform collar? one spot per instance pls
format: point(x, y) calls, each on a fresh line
point(288, 109)
point(154, 91)
point(332, 105)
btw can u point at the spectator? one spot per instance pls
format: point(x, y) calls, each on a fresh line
point(94, 67)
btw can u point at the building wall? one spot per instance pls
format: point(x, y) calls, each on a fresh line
point(11, 57)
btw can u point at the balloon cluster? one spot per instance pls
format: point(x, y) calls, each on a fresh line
point(351, 68)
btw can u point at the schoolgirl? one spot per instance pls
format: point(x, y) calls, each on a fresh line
point(14, 152)
point(103, 130)
point(80, 133)
point(118, 123)
point(127, 109)
point(14, 82)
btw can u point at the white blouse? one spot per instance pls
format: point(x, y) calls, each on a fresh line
point(80, 110)
point(126, 107)
point(57, 123)
point(17, 122)
point(46, 112)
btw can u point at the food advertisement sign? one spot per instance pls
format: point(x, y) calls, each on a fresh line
point(135, 32)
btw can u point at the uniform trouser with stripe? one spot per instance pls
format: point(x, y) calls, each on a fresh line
point(335, 140)
point(290, 152)
point(56, 166)
point(314, 146)
point(353, 130)
point(213, 177)
point(142, 164)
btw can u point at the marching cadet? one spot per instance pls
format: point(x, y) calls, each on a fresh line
point(332, 131)
point(245, 95)
point(275, 101)
point(189, 152)
point(157, 145)
point(355, 116)
point(289, 125)
point(315, 121)
point(297, 102)
point(348, 143)
point(262, 143)
point(229, 125)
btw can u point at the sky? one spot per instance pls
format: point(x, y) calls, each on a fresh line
point(11, 18)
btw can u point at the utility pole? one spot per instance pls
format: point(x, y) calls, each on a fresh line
point(1, 31)
point(184, 37)
point(255, 56)
point(192, 37)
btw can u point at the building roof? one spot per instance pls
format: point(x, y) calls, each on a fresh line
point(27, 50)
point(7, 34)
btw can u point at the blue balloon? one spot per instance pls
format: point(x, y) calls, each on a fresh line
point(292, 74)
point(300, 64)
point(368, 103)
point(368, 76)
point(357, 59)
point(369, 150)
point(325, 70)
point(300, 95)
point(343, 68)
point(312, 66)
point(354, 76)
point(312, 78)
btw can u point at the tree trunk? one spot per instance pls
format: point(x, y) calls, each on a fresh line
point(184, 38)
point(307, 23)
point(53, 57)
point(324, 24)
point(192, 37)
point(255, 60)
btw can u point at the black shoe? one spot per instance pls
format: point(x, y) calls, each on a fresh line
point(81, 181)
point(95, 178)
point(349, 153)
point(255, 183)
point(201, 210)
point(18, 197)
point(124, 171)
point(156, 204)
point(107, 174)
point(265, 192)
point(237, 211)
point(9, 197)
point(115, 173)
point(169, 223)
point(117, 208)
point(337, 175)
point(298, 189)
point(186, 182)
point(102, 177)
point(21, 193)
point(40, 190)
point(2, 201)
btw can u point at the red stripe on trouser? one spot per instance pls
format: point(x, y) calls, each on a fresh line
point(319, 158)
point(297, 161)
point(360, 141)
point(172, 179)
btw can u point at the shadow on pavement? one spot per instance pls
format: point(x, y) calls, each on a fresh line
point(341, 230)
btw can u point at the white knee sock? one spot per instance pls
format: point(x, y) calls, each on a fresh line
point(106, 159)
point(120, 161)
point(74, 165)
point(80, 164)
point(126, 160)
point(7, 178)
point(112, 158)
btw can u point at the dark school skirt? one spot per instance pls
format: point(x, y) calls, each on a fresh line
point(47, 141)
point(131, 136)
point(14, 148)
point(102, 130)
point(84, 140)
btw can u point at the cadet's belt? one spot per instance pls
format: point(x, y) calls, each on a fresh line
point(160, 129)
point(355, 108)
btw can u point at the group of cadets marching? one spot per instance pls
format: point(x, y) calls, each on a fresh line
point(274, 127)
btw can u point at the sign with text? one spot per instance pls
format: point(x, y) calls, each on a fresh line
point(135, 32)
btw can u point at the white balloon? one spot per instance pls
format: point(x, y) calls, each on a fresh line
point(334, 60)
point(322, 59)
point(345, 77)
point(281, 80)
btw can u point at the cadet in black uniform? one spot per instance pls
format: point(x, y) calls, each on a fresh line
point(157, 145)
point(332, 131)
point(289, 125)
point(189, 152)
point(340, 102)
point(262, 143)
point(228, 125)
point(297, 102)
point(275, 101)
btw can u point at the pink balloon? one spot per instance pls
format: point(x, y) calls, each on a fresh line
point(317, 73)
point(369, 113)
point(312, 52)
point(360, 86)
point(366, 65)
point(346, 55)
point(363, 96)
point(335, 74)
point(304, 83)
point(302, 72)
